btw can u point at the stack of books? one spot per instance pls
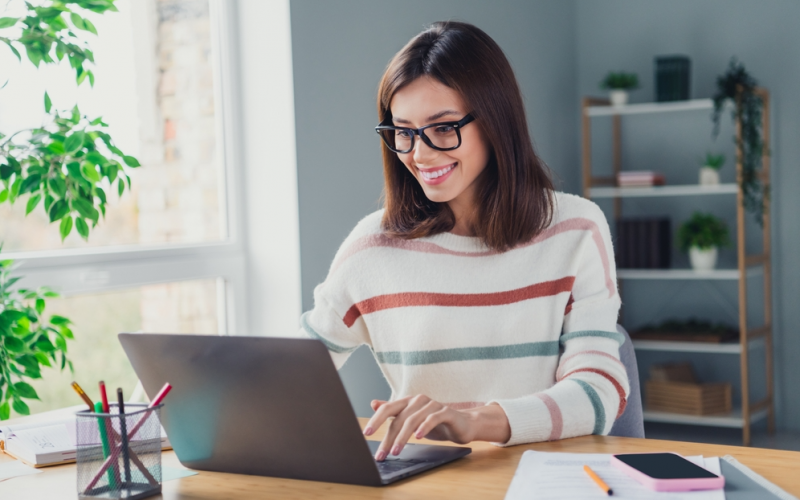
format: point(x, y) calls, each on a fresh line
point(643, 243)
point(640, 178)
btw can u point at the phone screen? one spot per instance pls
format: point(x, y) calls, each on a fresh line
point(664, 466)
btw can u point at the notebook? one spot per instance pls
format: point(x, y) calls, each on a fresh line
point(46, 443)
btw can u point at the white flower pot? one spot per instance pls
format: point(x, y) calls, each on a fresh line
point(703, 259)
point(618, 97)
point(709, 176)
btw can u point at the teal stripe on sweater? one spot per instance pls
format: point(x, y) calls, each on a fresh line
point(529, 349)
point(313, 334)
point(594, 333)
point(599, 410)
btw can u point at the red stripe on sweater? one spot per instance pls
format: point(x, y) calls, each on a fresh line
point(623, 401)
point(412, 299)
point(575, 224)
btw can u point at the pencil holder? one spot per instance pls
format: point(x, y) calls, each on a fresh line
point(119, 455)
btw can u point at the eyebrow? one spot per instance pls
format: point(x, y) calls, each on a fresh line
point(431, 118)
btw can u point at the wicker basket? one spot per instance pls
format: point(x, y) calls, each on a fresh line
point(688, 398)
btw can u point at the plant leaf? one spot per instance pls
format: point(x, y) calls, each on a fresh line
point(66, 227)
point(20, 407)
point(47, 103)
point(77, 21)
point(74, 142)
point(40, 305)
point(13, 344)
point(5, 411)
point(83, 228)
point(32, 202)
point(59, 320)
point(42, 359)
point(25, 390)
point(7, 22)
point(59, 186)
point(30, 184)
point(58, 210)
point(131, 161)
point(86, 209)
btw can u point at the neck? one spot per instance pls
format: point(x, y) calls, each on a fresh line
point(463, 210)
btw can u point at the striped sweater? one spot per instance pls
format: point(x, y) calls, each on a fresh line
point(532, 329)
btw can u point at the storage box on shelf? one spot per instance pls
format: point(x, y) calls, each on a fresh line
point(747, 265)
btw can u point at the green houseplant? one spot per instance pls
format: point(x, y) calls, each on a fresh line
point(66, 167)
point(701, 236)
point(618, 85)
point(709, 169)
point(737, 85)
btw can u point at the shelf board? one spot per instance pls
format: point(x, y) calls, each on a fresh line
point(733, 419)
point(705, 347)
point(685, 274)
point(678, 190)
point(651, 107)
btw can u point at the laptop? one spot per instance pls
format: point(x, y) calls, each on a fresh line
point(266, 406)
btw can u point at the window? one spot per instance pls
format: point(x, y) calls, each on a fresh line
point(168, 257)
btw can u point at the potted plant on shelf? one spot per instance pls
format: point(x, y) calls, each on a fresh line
point(738, 86)
point(702, 235)
point(618, 85)
point(709, 170)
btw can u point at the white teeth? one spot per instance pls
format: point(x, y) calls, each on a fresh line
point(437, 173)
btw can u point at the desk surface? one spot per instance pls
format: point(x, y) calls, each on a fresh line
point(486, 474)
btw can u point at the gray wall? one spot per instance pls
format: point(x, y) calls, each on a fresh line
point(340, 50)
point(627, 34)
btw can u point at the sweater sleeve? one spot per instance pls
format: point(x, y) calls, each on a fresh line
point(591, 384)
point(333, 297)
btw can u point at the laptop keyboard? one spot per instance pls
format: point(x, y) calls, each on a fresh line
point(391, 466)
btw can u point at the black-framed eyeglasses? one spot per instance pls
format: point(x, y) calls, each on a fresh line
point(443, 136)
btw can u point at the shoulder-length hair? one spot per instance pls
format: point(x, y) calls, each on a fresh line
point(514, 195)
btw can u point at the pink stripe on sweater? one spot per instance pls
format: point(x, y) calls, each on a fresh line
point(563, 361)
point(555, 416)
point(575, 224)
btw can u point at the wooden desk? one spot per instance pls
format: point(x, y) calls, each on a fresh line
point(484, 474)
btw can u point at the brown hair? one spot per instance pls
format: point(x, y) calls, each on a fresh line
point(514, 194)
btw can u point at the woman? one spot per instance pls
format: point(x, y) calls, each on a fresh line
point(488, 299)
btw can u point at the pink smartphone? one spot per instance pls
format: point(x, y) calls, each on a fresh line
point(667, 472)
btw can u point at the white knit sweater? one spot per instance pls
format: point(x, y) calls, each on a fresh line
point(532, 329)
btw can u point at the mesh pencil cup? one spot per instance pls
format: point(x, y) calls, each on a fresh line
point(119, 455)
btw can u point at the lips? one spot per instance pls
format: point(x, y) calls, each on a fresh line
point(437, 176)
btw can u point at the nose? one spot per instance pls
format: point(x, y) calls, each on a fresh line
point(422, 152)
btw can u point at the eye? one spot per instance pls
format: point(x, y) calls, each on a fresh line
point(403, 134)
point(444, 129)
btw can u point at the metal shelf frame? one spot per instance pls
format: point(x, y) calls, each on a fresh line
point(747, 265)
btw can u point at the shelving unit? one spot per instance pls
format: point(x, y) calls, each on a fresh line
point(748, 266)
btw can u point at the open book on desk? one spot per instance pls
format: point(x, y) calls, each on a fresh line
point(556, 476)
point(46, 443)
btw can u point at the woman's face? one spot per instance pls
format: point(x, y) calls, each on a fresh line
point(445, 176)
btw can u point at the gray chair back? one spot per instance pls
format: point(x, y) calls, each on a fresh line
point(631, 423)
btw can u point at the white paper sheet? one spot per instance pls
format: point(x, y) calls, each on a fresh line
point(15, 469)
point(557, 476)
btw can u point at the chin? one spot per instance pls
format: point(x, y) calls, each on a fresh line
point(438, 196)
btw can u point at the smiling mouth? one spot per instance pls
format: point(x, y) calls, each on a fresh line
point(434, 174)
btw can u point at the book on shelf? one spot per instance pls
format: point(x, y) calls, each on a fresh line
point(640, 178)
point(644, 243)
point(51, 442)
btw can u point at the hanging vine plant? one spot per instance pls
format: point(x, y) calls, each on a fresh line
point(739, 86)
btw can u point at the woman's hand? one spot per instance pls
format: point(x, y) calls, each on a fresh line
point(420, 416)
